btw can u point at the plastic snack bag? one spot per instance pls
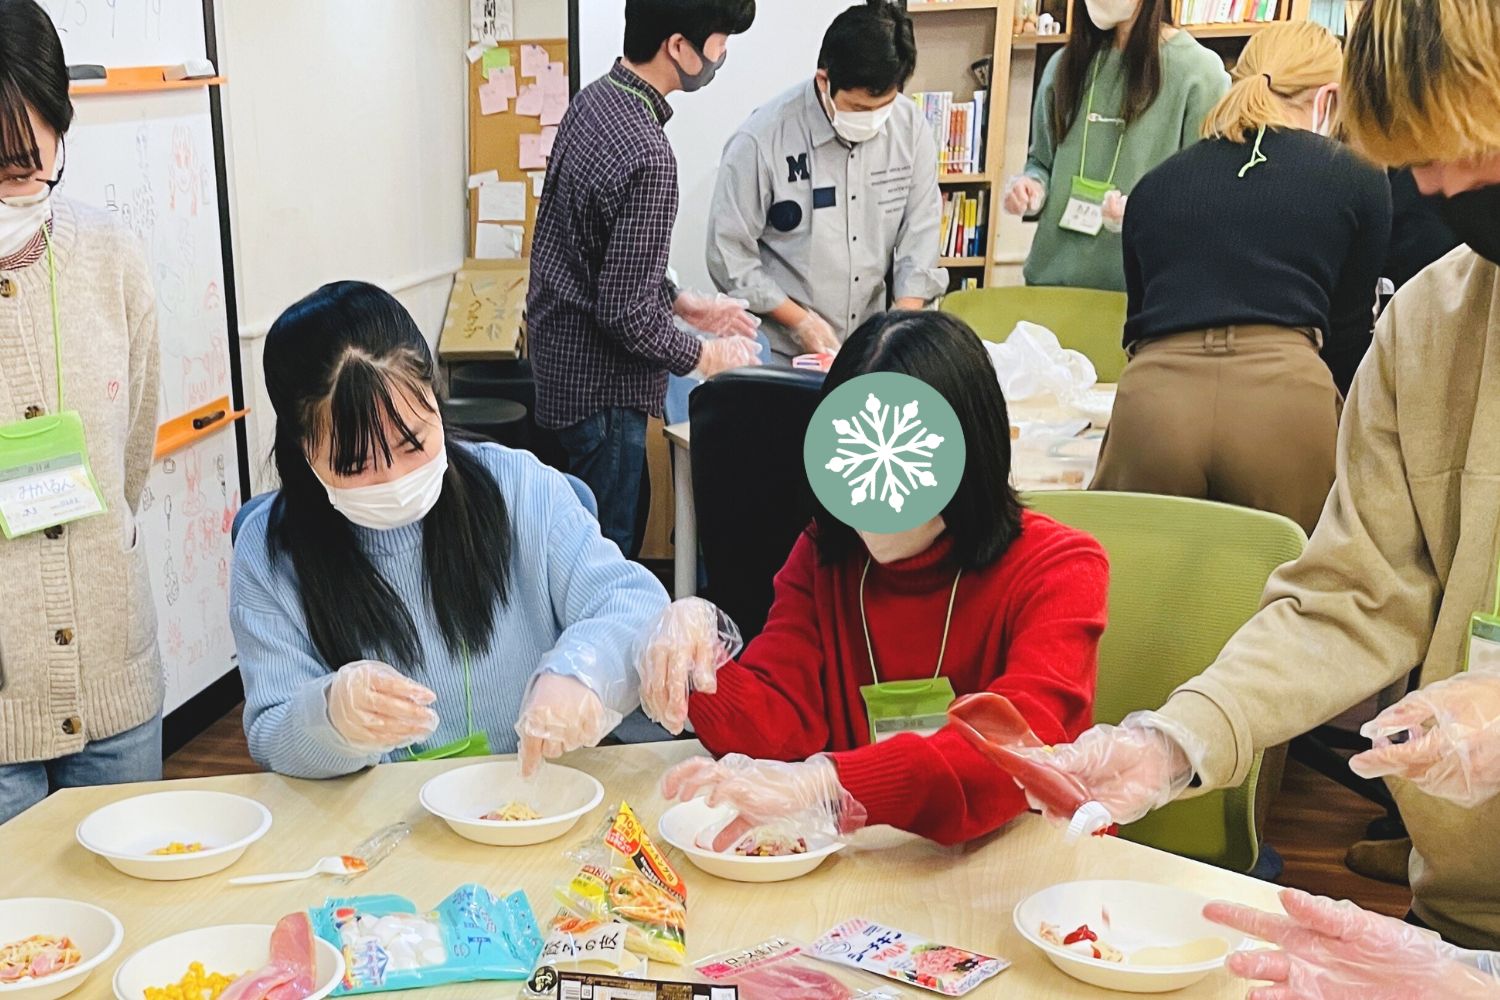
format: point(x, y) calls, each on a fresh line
point(581, 944)
point(626, 878)
point(471, 936)
point(780, 969)
point(885, 951)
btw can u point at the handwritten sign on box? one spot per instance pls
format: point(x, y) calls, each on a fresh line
point(485, 311)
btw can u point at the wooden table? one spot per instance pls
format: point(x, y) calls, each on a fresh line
point(1064, 466)
point(958, 896)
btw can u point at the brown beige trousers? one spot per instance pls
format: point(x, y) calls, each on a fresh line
point(1246, 415)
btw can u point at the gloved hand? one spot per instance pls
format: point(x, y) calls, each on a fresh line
point(1453, 749)
point(814, 335)
point(808, 794)
point(1333, 950)
point(376, 709)
point(1114, 211)
point(681, 653)
point(717, 314)
point(558, 715)
point(1130, 769)
point(1024, 195)
point(725, 353)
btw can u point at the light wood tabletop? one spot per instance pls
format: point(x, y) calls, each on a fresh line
point(960, 896)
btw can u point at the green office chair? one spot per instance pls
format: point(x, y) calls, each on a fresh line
point(1085, 320)
point(1184, 576)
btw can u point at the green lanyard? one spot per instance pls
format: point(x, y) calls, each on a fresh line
point(639, 96)
point(475, 744)
point(1083, 160)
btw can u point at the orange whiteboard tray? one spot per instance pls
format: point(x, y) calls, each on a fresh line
point(140, 80)
point(179, 432)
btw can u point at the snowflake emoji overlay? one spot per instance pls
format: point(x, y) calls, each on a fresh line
point(885, 465)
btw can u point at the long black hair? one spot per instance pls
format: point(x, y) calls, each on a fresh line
point(337, 365)
point(1087, 42)
point(984, 516)
point(33, 74)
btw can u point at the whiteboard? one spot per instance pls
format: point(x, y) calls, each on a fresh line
point(779, 50)
point(149, 160)
point(129, 32)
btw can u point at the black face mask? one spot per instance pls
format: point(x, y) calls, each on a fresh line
point(697, 81)
point(1474, 216)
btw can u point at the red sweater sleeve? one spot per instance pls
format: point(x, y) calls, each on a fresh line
point(770, 702)
point(942, 788)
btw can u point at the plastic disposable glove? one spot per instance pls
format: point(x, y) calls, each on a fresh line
point(724, 353)
point(807, 794)
point(559, 715)
point(1452, 744)
point(815, 335)
point(1333, 950)
point(717, 314)
point(376, 709)
point(1130, 769)
point(1024, 195)
point(1114, 211)
point(681, 652)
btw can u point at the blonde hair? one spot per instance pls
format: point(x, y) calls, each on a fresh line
point(1278, 65)
point(1422, 82)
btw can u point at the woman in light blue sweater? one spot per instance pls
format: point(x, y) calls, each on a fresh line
point(409, 595)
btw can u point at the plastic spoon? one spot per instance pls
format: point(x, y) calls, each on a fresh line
point(344, 864)
point(998, 730)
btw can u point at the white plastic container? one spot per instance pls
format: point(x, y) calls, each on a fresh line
point(460, 797)
point(681, 825)
point(96, 932)
point(126, 832)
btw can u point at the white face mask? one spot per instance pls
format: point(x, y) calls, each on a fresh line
point(903, 545)
point(21, 218)
point(857, 126)
point(1111, 13)
point(394, 504)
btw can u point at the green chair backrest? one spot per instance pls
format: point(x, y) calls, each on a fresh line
point(1086, 320)
point(1184, 576)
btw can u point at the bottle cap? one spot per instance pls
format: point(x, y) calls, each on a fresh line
point(1090, 818)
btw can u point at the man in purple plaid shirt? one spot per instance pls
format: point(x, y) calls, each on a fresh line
point(600, 311)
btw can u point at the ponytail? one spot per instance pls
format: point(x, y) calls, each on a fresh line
point(1279, 65)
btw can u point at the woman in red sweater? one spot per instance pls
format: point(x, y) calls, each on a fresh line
point(988, 595)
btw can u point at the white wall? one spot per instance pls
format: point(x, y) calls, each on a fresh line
point(542, 18)
point(347, 155)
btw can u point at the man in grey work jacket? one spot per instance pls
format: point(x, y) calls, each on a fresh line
point(831, 189)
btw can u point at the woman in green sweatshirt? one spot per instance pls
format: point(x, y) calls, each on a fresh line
point(1399, 574)
point(1127, 91)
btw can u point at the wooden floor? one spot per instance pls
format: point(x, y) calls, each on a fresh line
point(1312, 823)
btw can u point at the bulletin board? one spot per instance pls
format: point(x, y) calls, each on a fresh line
point(495, 140)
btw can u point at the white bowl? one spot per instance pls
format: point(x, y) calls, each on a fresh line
point(681, 825)
point(1141, 915)
point(562, 795)
point(96, 932)
point(126, 832)
point(232, 950)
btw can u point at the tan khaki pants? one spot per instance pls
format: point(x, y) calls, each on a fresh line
point(1246, 415)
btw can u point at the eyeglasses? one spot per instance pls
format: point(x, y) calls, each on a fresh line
point(28, 200)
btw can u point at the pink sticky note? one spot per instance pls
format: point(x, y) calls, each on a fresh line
point(534, 60)
point(530, 100)
point(554, 106)
point(532, 157)
point(491, 100)
point(554, 79)
point(549, 137)
point(505, 79)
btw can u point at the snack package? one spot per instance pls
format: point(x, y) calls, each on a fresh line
point(583, 986)
point(896, 955)
point(780, 969)
point(388, 945)
point(626, 878)
point(581, 944)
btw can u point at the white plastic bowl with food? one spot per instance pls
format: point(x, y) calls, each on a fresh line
point(682, 824)
point(558, 797)
point(231, 950)
point(93, 934)
point(1157, 933)
point(169, 836)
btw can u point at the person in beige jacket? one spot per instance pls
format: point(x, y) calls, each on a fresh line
point(1406, 551)
point(80, 674)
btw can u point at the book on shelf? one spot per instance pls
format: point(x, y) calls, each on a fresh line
point(1227, 11)
point(958, 127)
point(964, 223)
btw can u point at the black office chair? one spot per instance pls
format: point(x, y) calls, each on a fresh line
point(749, 486)
point(510, 380)
point(500, 420)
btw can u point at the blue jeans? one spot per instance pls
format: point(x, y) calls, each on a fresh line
point(134, 755)
point(608, 452)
